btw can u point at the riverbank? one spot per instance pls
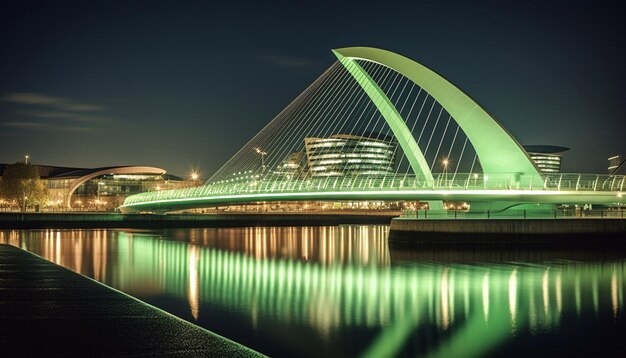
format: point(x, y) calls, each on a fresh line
point(152, 221)
point(509, 232)
point(48, 310)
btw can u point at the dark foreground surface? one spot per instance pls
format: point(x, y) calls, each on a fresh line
point(48, 310)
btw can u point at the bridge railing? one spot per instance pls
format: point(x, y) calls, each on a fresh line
point(442, 181)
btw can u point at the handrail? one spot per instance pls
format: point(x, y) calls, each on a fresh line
point(442, 181)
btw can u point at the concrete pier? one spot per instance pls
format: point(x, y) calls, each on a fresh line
point(509, 232)
point(47, 310)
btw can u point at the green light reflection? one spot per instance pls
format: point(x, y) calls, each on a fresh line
point(315, 280)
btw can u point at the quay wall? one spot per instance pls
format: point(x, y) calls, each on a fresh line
point(507, 232)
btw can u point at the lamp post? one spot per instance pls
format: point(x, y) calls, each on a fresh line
point(263, 154)
point(194, 178)
point(26, 159)
point(445, 163)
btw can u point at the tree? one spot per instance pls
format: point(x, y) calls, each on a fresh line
point(21, 183)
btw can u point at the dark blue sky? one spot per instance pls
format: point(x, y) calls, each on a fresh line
point(183, 85)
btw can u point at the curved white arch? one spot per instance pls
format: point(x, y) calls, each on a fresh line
point(114, 170)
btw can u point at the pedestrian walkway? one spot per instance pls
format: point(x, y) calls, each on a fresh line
point(48, 310)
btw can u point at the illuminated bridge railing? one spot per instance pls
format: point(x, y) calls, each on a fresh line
point(443, 181)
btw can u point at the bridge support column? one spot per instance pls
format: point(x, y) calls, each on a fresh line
point(435, 205)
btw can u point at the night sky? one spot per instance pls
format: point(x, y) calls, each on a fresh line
point(183, 85)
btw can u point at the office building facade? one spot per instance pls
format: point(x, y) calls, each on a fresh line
point(350, 155)
point(548, 158)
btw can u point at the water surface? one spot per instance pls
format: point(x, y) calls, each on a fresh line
point(340, 291)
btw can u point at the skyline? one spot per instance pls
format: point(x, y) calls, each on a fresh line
point(184, 87)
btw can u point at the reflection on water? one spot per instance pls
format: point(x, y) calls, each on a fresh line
point(360, 245)
point(338, 290)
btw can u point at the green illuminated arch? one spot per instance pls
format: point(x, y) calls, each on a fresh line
point(498, 151)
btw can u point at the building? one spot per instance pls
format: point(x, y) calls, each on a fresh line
point(350, 155)
point(548, 158)
point(615, 162)
point(101, 188)
point(291, 167)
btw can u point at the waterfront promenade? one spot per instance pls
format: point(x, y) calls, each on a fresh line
point(46, 309)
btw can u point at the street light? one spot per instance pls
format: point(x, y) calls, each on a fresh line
point(26, 159)
point(194, 178)
point(263, 154)
point(445, 163)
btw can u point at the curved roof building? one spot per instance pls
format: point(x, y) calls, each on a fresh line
point(99, 188)
point(548, 158)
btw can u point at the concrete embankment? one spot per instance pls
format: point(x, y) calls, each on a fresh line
point(47, 310)
point(142, 221)
point(508, 232)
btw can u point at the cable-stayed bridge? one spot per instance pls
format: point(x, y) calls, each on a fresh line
point(378, 126)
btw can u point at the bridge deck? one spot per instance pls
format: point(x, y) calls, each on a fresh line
point(46, 309)
point(558, 188)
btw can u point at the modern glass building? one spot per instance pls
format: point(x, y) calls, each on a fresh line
point(101, 188)
point(548, 158)
point(350, 155)
point(291, 167)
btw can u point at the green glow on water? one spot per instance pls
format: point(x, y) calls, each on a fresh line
point(332, 289)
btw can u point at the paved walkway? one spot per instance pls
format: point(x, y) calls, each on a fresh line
point(48, 310)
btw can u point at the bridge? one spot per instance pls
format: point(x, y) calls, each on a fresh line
point(379, 126)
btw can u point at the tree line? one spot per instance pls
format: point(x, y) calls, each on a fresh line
point(21, 186)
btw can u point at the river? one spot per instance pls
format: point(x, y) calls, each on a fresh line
point(341, 291)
